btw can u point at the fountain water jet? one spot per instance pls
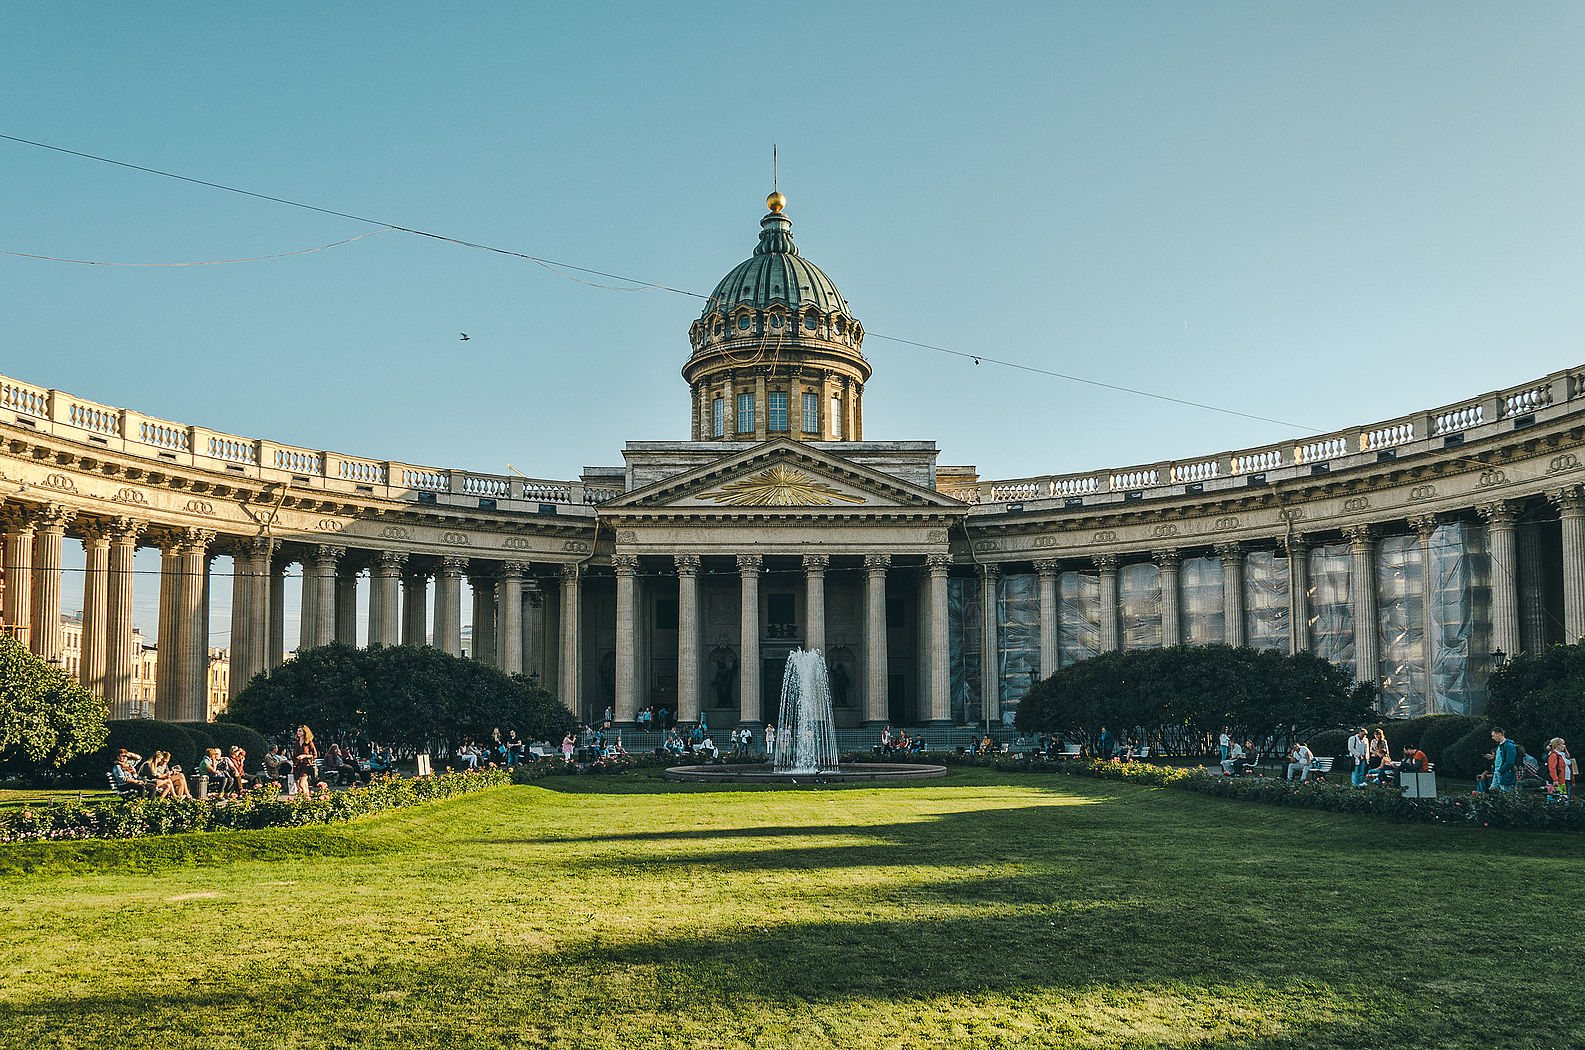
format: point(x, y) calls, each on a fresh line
point(806, 722)
point(806, 739)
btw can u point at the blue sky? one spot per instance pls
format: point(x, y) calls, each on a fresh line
point(1326, 214)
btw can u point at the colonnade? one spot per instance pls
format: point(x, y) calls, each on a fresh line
point(514, 629)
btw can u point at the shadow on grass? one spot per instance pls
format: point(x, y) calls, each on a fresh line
point(1091, 976)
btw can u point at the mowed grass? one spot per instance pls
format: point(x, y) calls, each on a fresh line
point(977, 911)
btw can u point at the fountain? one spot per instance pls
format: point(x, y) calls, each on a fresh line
point(806, 739)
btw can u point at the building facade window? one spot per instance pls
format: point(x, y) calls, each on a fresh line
point(745, 413)
point(718, 417)
point(811, 409)
point(776, 410)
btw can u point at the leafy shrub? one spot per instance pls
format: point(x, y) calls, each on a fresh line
point(46, 719)
point(260, 808)
point(1183, 694)
point(1440, 735)
point(404, 694)
point(142, 736)
point(227, 735)
point(1407, 732)
point(1331, 743)
point(1466, 756)
point(1536, 696)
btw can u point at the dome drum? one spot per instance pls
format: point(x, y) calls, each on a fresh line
point(776, 319)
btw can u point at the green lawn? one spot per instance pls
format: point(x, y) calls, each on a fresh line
point(977, 911)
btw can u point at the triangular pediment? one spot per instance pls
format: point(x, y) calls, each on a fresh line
point(781, 475)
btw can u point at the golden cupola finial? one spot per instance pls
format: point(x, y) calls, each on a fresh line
point(776, 202)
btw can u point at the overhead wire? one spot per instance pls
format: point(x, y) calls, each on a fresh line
point(634, 284)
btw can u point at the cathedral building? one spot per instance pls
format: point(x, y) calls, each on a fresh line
point(1416, 551)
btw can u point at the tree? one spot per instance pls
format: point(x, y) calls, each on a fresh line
point(46, 719)
point(1181, 696)
point(404, 694)
point(1537, 696)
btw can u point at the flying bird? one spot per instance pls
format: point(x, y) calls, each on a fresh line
point(464, 337)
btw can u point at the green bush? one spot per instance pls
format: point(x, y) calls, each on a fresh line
point(1332, 743)
point(203, 739)
point(227, 735)
point(260, 808)
point(1408, 732)
point(1466, 756)
point(402, 694)
point(1536, 696)
point(141, 736)
point(1441, 734)
point(1183, 694)
point(46, 718)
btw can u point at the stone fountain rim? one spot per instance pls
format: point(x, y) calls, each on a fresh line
point(764, 773)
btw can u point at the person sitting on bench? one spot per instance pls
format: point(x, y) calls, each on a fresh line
point(1300, 759)
point(124, 777)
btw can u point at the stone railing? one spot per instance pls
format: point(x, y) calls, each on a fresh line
point(62, 416)
point(1496, 412)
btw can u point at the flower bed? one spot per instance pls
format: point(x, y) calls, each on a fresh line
point(259, 808)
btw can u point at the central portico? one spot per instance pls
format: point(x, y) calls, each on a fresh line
point(725, 566)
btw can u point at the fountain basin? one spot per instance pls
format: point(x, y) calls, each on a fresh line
point(764, 773)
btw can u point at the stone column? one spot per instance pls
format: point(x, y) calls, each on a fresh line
point(182, 693)
point(626, 566)
point(687, 637)
point(91, 663)
point(326, 560)
point(940, 674)
point(308, 618)
point(21, 523)
point(1047, 571)
point(347, 605)
point(275, 650)
point(509, 592)
point(1169, 561)
point(415, 611)
point(483, 649)
point(1232, 592)
point(193, 612)
point(1500, 521)
point(45, 638)
point(1571, 510)
point(748, 567)
point(1424, 526)
point(118, 644)
point(1106, 565)
point(815, 566)
point(448, 605)
point(166, 664)
point(877, 705)
point(1362, 585)
point(243, 582)
point(570, 659)
point(1298, 592)
point(1532, 588)
point(990, 649)
point(535, 633)
point(385, 584)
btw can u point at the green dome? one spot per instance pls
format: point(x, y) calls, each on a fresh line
point(776, 273)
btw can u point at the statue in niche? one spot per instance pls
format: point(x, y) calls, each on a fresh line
point(721, 681)
point(837, 678)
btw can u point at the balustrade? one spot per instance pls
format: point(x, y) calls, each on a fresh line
point(362, 470)
point(24, 400)
point(1254, 462)
point(99, 419)
point(164, 435)
point(1456, 419)
point(1203, 470)
point(233, 450)
point(1527, 400)
point(1386, 437)
point(1136, 479)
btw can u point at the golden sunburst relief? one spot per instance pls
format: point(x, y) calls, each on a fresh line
point(779, 486)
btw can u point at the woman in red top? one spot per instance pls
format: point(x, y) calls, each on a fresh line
point(1557, 764)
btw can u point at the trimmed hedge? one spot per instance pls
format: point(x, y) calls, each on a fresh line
point(227, 735)
point(259, 808)
point(142, 736)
